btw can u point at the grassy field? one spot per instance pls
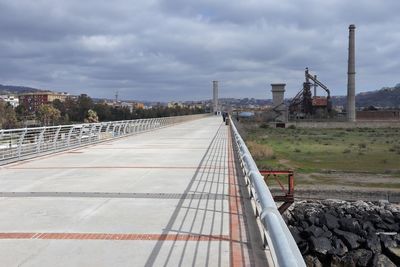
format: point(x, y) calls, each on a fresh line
point(319, 154)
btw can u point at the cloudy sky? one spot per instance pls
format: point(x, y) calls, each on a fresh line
point(172, 49)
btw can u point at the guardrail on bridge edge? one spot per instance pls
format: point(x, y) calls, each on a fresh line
point(25, 143)
point(284, 249)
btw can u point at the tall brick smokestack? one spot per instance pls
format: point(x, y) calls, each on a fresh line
point(351, 76)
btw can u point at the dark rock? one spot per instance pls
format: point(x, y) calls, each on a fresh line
point(384, 213)
point(303, 247)
point(389, 220)
point(320, 245)
point(309, 260)
point(298, 216)
point(333, 213)
point(397, 239)
point(327, 234)
point(396, 215)
point(317, 263)
point(330, 221)
point(336, 261)
point(374, 218)
point(388, 227)
point(395, 227)
point(340, 213)
point(368, 226)
point(314, 231)
point(300, 229)
point(348, 261)
point(351, 240)
point(361, 257)
point(381, 260)
point(394, 254)
point(312, 261)
point(317, 222)
point(350, 225)
point(305, 234)
point(295, 233)
point(362, 205)
point(374, 244)
point(341, 233)
point(311, 219)
point(350, 209)
point(363, 233)
point(339, 248)
point(304, 224)
point(387, 241)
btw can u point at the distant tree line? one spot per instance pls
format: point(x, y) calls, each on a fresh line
point(83, 109)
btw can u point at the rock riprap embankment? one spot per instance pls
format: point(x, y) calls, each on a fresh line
point(341, 233)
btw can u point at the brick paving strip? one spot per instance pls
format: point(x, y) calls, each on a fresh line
point(235, 207)
point(105, 236)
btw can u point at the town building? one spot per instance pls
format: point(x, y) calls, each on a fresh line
point(10, 99)
point(32, 101)
point(175, 104)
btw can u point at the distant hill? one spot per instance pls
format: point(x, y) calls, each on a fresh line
point(12, 89)
point(387, 97)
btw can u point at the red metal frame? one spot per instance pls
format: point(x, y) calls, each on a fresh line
point(288, 195)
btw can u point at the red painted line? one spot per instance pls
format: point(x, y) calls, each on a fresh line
point(236, 254)
point(143, 148)
point(114, 167)
point(121, 237)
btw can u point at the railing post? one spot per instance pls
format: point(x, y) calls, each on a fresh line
point(69, 136)
point(81, 134)
point(108, 127)
point(137, 126)
point(99, 131)
point(20, 142)
point(124, 129)
point(40, 140)
point(56, 137)
point(115, 127)
point(141, 125)
point(90, 133)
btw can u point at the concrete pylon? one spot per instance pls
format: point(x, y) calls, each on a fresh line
point(278, 93)
point(215, 97)
point(351, 76)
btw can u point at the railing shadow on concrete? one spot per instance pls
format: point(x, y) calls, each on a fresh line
point(284, 250)
point(24, 143)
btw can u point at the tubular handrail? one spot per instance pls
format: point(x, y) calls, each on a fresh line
point(23, 143)
point(283, 247)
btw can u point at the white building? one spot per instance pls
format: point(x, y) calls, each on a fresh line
point(12, 100)
point(175, 104)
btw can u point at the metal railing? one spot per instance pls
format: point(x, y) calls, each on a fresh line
point(284, 250)
point(17, 144)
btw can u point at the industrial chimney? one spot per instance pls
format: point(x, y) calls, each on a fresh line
point(278, 102)
point(351, 77)
point(215, 97)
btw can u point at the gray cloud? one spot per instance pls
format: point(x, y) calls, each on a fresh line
point(164, 50)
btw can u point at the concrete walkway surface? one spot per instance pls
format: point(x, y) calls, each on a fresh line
point(169, 197)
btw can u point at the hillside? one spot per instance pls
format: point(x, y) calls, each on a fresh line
point(12, 89)
point(387, 97)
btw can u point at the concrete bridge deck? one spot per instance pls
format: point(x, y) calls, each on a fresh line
point(169, 197)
